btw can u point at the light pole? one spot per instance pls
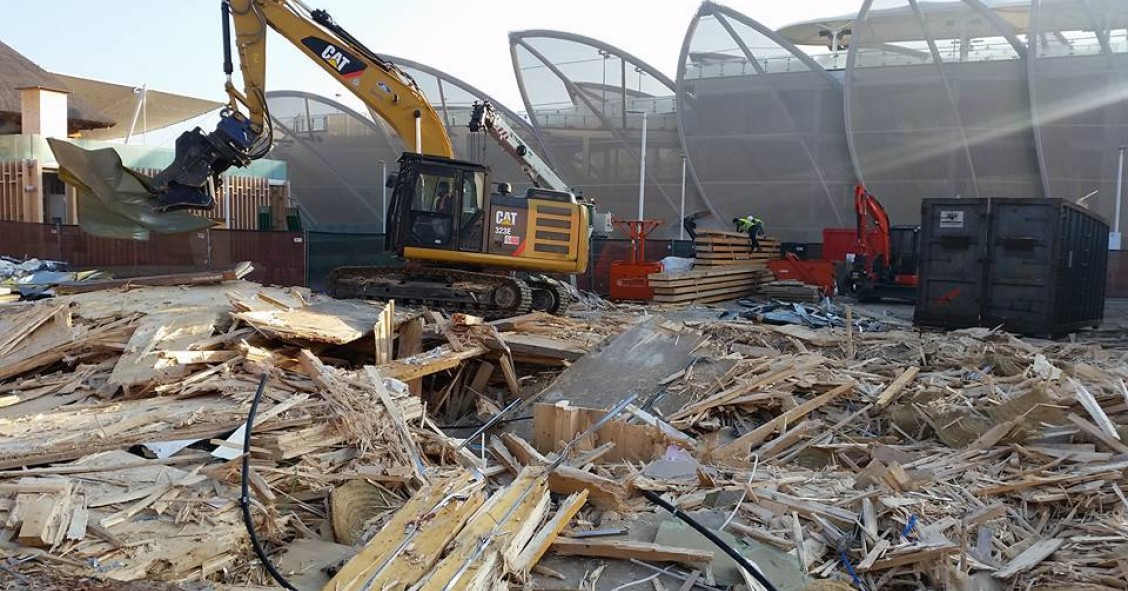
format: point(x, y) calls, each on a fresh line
point(1114, 239)
point(642, 169)
point(383, 196)
point(681, 209)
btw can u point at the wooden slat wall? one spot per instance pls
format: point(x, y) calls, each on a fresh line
point(14, 177)
point(247, 194)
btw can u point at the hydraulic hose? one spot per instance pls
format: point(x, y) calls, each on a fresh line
point(712, 537)
point(245, 498)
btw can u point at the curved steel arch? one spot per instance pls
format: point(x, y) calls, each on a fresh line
point(514, 118)
point(814, 143)
point(949, 127)
point(336, 175)
point(1079, 100)
point(471, 146)
point(656, 178)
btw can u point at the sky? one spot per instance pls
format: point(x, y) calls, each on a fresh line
point(175, 45)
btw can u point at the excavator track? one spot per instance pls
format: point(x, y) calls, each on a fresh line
point(549, 295)
point(490, 296)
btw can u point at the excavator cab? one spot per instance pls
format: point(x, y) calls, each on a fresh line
point(444, 210)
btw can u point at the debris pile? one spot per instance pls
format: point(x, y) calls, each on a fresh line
point(122, 415)
point(821, 315)
point(399, 449)
point(33, 278)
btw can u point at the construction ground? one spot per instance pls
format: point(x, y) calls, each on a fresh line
point(869, 456)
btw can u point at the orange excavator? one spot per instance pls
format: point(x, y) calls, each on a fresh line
point(886, 257)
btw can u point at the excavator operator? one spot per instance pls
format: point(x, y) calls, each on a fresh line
point(442, 198)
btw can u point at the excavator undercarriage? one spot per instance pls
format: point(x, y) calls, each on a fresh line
point(486, 294)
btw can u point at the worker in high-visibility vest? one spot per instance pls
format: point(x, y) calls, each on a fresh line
point(753, 226)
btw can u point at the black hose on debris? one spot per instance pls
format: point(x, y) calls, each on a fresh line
point(245, 498)
point(712, 537)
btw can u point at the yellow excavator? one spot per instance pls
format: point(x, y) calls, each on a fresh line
point(470, 244)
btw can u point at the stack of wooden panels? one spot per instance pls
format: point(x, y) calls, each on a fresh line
point(792, 291)
point(708, 285)
point(719, 248)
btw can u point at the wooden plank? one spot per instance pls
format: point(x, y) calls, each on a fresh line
point(554, 424)
point(624, 550)
point(197, 357)
point(169, 279)
point(143, 363)
point(490, 529)
point(706, 300)
point(510, 373)
point(544, 346)
point(334, 322)
point(743, 444)
point(383, 333)
point(814, 337)
point(539, 545)
point(923, 554)
point(432, 533)
point(425, 364)
point(1098, 434)
point(727, 396)
point(897, 386)
point(410, 338)
point(1029, 558)
point(1094, 409)
point(604, 492)
point(705, 273)
point(396, 415)
point(523, 450)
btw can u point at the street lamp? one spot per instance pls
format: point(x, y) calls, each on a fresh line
point(681, 209)
point(383, 196)
point(642, 168)
point(1114, 238)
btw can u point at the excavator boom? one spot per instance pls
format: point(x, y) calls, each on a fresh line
point(443, 212)
point(239, 138)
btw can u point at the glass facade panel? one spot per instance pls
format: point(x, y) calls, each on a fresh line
point(937, 105)
point(1079, 94)
point(585, 99)
point(452, 99)
point(763, 128)
point(333, 156)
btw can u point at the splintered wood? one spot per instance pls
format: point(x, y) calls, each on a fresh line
point(123, 413)
point(885, 461)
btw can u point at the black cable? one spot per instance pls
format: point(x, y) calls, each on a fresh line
point(712, 537)
point(245, 498)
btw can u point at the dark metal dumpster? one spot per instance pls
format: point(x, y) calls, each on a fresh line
point(1032, 266)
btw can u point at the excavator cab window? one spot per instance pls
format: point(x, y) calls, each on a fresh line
point(472, 218)
point(433, 208)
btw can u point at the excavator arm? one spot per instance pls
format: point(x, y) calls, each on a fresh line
point(242, 137)
point(483, 117)
point(874, 242)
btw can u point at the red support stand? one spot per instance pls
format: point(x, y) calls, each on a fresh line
point(629, 278)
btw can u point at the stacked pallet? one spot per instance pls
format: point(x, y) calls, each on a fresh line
point(709, 285)
point(714, 248)
point(791, 291)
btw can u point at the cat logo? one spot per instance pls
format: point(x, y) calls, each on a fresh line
point(347, 65)
point(506, 218)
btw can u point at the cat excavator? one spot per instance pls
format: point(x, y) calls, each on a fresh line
point(469, 243)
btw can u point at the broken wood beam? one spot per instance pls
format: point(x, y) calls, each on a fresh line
point(624, 550)
point(743, 444)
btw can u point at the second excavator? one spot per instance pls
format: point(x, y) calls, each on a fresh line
point(469, 242)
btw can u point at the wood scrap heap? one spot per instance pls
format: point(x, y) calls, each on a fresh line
point(832, 459)
point(122, 415)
